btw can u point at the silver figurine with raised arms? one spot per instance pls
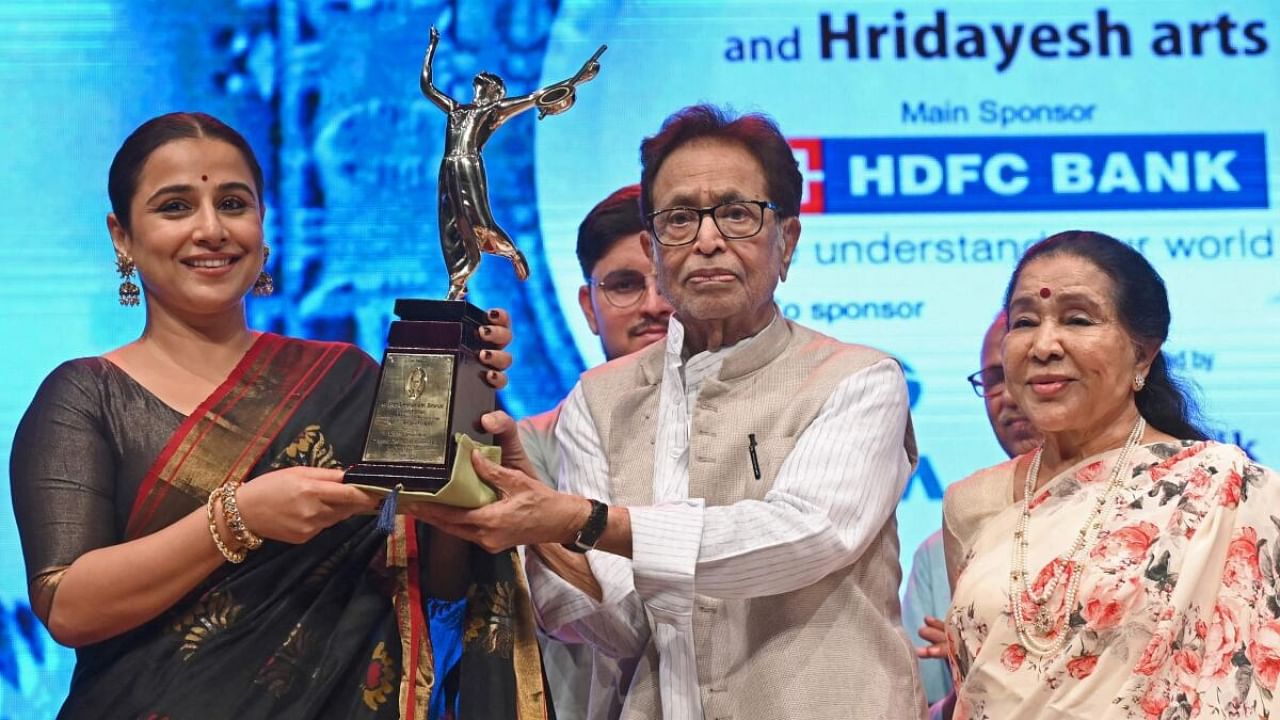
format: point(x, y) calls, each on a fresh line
point(467, 227)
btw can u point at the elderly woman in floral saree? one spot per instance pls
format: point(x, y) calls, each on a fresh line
point(275, 599)
point(1128, 568)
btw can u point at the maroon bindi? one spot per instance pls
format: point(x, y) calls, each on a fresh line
point(1045, 292)
point(204, 178)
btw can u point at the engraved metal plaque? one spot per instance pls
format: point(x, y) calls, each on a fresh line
point(431, 387)
point(410, 421)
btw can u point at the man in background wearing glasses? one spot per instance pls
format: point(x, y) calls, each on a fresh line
point(727, 497)
point(928, 593)
point(623, 307)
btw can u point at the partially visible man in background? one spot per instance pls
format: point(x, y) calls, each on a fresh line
point(622, 306)
point(928, 593)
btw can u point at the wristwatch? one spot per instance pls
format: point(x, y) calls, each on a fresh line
point(590, 532)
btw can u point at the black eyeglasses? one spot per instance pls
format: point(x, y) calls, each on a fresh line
point(624, 288)
point(735, 220)
point(988, 381)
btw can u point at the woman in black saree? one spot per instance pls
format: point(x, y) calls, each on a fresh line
point(189, 595)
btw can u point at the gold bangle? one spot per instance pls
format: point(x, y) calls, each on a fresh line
point(235, 556)
point(231, 513)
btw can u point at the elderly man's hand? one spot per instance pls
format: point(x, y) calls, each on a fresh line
point(527, 511)
point(934, 632)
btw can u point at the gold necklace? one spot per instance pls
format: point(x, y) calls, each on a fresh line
point(1044, 623)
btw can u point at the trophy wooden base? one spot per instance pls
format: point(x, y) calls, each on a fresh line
point(431, 386)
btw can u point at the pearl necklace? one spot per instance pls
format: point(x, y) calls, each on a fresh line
point(1044, 624)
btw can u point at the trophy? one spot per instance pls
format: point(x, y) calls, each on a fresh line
point(431, 390)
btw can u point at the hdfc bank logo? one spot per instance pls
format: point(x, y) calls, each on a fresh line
point(1027, 174)
point(808, 152)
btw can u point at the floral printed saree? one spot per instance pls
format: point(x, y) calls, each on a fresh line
point(1178, 610)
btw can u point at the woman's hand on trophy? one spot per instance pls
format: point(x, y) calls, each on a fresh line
point(498, 334)
point(294, 504)
point(527, 511)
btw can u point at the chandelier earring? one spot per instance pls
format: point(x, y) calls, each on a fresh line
point(265, 284)
point(1139, 382)
point(129, 292)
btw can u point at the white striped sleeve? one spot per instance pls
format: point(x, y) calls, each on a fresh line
point(618, 624)
point(833, 494)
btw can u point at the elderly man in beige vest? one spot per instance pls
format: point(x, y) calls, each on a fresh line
point(727, 497)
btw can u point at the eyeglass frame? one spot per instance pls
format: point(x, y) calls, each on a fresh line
point(980, 387)
point(703, 213)
point(650, 281)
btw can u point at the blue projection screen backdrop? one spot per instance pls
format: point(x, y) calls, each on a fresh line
point(937, 140)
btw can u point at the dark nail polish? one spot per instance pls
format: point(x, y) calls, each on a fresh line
point(493, 314)
point(486, 355)
point(486, 331)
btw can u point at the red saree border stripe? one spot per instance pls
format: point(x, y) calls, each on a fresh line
point(232, 400)
point(149, 481)
point(284, 411)
point(247, 378)
point(319, 360)
point(402, 554)
point(399, 601)
point(417, 621)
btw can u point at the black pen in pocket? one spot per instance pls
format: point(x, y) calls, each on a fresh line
point(755, 461)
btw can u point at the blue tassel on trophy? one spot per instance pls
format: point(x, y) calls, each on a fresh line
point(387, 513)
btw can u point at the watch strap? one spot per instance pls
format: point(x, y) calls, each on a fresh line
point(591, 531)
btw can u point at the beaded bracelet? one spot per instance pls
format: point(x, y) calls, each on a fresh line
point(235, 556)
point(231, 512)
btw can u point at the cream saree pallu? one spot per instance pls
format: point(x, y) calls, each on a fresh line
point(333, 628)
point(1177, 613)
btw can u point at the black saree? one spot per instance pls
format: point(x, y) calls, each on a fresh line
point(334, 628)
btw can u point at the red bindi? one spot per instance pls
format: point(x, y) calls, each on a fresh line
point(1045, 292)
point(204, 178)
